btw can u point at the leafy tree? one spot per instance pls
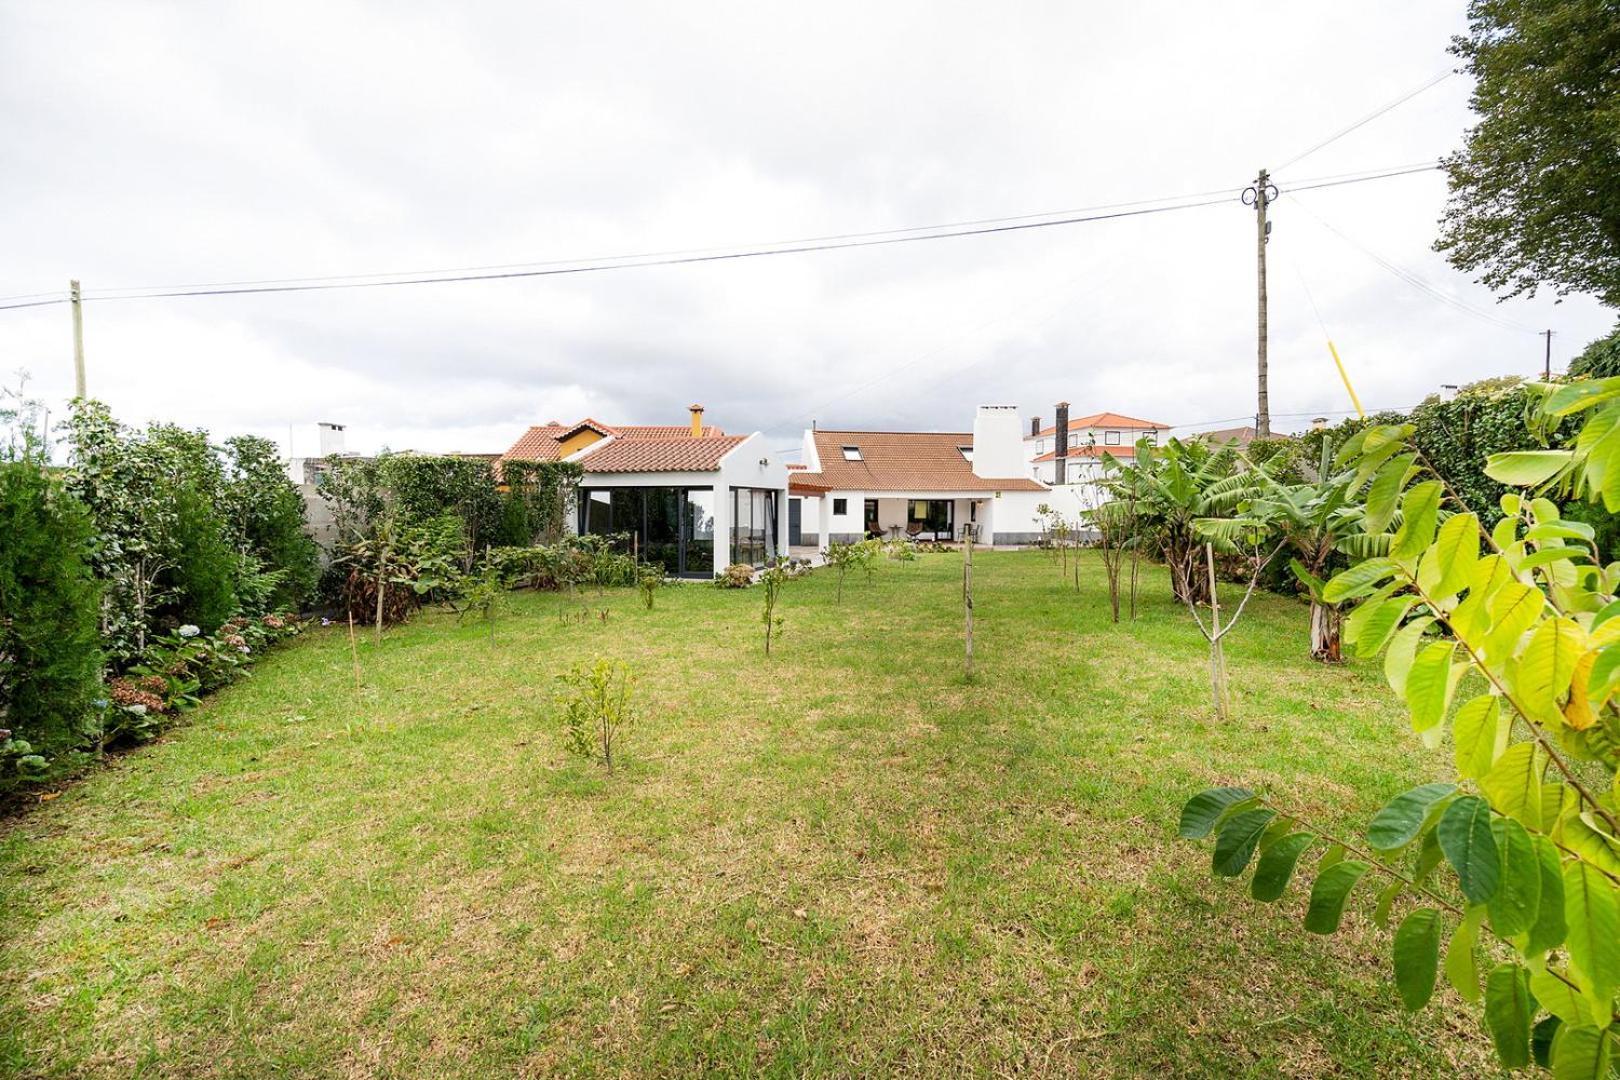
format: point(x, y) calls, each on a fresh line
point(266, 516)
point(1600, 359)
point(847, 557)
point(1318, 520)
point(50, 649)
point(1535, 190)
point(202, 567)
point(1508, 640)
point(1172, 487)
point(596, 708)
point(773, 577)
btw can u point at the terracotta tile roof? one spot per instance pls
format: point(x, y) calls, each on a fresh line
point(1106, 420)
point(680, 454)
point(1121, 452)
point(902, 461)
point(541, 443)
point(1241, 436)
point(538, 443)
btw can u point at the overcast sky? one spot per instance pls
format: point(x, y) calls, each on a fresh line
point(145, 144)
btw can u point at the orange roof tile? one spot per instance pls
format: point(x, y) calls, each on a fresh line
point(542, 442)
point(1106, 420)
point(902, 461)
point(682, 454)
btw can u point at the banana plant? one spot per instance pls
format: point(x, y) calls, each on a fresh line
point(1508, 641)
point(1171, 487)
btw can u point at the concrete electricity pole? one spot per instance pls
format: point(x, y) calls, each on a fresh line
point(1260, 196)
point(78, 340)
point(1546, 371)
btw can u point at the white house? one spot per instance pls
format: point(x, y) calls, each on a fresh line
point(694, 498)
point(924, 484)
point(1070, 451)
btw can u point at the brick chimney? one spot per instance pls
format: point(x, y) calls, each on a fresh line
point(1060, 472)
point(1034, 426)
point(697, 421)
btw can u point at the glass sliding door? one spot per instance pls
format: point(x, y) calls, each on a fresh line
point(753, 526)
point(697, 532)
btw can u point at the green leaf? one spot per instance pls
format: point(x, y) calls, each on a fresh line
point(1420, 512)
point(1580, 1053)
point(1205, 808)
point(1370, 625)
point(1514, 609)
point(1386, 900)
point(1358, 580)
point(1428, 684)
point(1479, 735)
point(1461, 971)
point(1401, 819)
point(1276, 866)
point(1237, 840)
point(1329, 893)
point(1385, 490)
point(1508, 1013)
point(1417, 957)
point(1514, 905)
point(1559, 998)
point(1548, 930)
point(1465, 836)
point(1514, 783)
point(1593, 941)
point(1551, 553)
point(1456, 548)
point(1398, 660)
point(1526, 468)
point(1541, 1040)
point(1547, 666)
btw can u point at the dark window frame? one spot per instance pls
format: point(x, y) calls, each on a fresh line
point(841, 507)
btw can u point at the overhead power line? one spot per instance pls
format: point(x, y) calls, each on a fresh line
point(982, 227)
point(1412, 279)
point(1369, 118)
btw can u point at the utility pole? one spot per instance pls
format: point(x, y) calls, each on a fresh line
point(1546, 371)
point(1260, 196)
point(78, 339)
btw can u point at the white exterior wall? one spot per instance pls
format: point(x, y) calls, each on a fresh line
point(843, 527)
point(809, 516)
point(998, 447)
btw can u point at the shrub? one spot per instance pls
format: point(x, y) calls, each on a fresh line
point(595, 703)
point(266, 515)
point(846, 557)
point(202, 569)
point(735, 576)
point(50, 650)
point(650, 581)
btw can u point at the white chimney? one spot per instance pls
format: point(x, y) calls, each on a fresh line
point(331, 438)
point(998, 442)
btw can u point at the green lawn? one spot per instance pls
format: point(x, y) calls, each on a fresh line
point(841, 860)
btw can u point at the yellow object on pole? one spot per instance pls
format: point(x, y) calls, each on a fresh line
point(1346, 377)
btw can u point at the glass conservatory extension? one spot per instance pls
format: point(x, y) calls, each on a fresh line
point(676, 526)
point(669, 525)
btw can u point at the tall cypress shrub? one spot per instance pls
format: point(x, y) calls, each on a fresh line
point(50, 649)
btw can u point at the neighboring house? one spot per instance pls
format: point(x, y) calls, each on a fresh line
point(1070, 451)
point(691, 498)
point(1234, 436)
point(926, 484)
